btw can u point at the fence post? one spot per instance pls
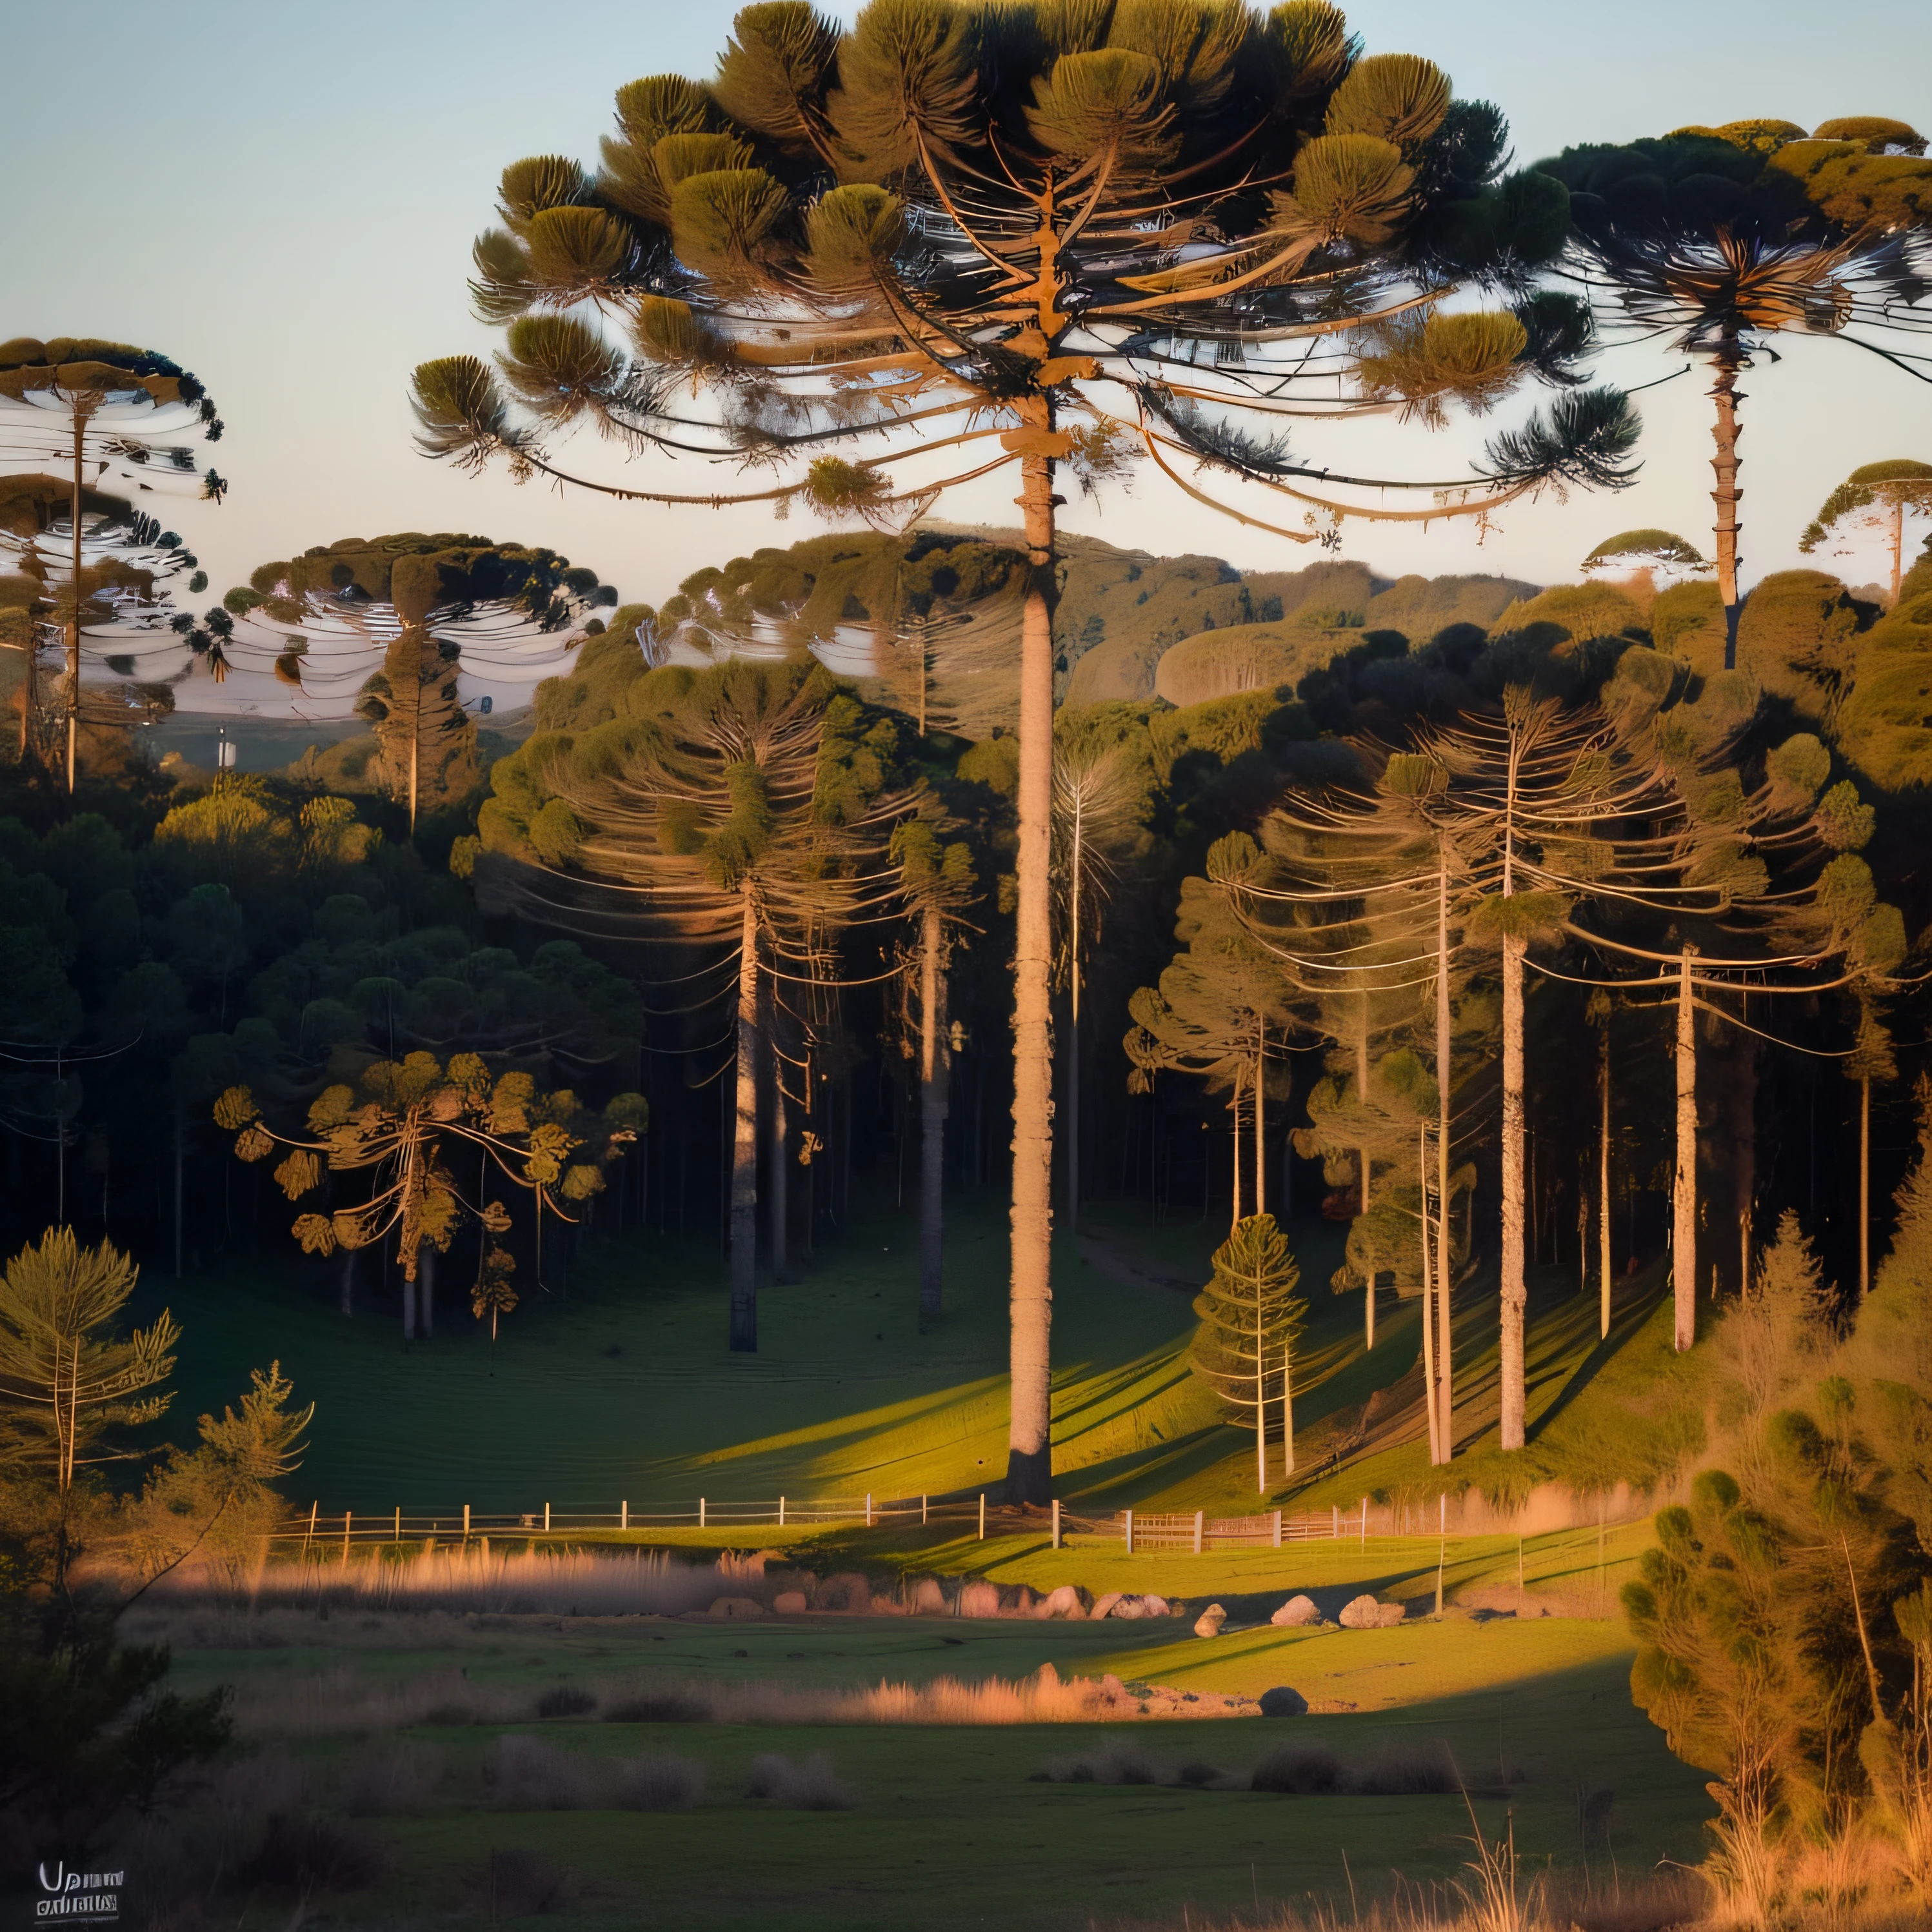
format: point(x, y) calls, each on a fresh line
point(700, 1512)
point(1198, 1516)
point(1335, 1527)
point(922, 1502)
point(624, 1515)
point(466, 1525)
point(781, 1512)
point(983, 1516)
point(1056, 1523)
point(1365, 1523)
point(546, 1518)
point(1277, 1529)
point(869, 1509)
point(1442, 1545)
point(399, 1522)
point(1129, 1516)
point(311, 1537)
point(346, 1517)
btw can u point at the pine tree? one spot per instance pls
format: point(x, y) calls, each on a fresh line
point(1251, 1318)
point(1880, 496)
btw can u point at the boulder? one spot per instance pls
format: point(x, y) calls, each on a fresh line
point(1103, 1607)
point(1365, 1613)
point(1020, 1602)
point(735, 1609)
point(928, 1600)
point(789, 1602)
point(1281, 1702)
point(1296, 1612)
point(1152, 1606)
point(1209, 1622)
point(979, 1599)
point(1068, 1601)
point(1129, 1606)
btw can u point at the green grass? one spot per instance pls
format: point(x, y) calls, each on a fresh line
point(952, 1830)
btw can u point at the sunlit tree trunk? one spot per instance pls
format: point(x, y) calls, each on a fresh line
point(1234, 1177)
point(1430, 1397)
point(935, 1072)
point(1261, 1120)
point(1261, 1400)
point(1514, 1296)
point(777, 1205)
point(409, 1305)
point(1362, 1171)
point(1897, 547)
point(1724, 392)
point(1288, 1410)
point(1604, 1180)
point(1445, 1272)
point(744, 1208)
point(1684, 1194)
point(1029, 1453)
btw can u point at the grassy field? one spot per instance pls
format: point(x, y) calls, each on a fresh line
point(621, 1389)
point(953, 1826)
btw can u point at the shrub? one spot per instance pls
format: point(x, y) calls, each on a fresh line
point(565, 1701)
point(528, 1775)
point(656, 1784)
point(1305, 1769)
point(1117, 1762)
point(307, 1851)
point(813, 1785)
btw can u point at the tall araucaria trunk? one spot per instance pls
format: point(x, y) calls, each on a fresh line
point(1288, 1410)
point(1898, 548)
point(1725, 393)
point(1261, 1120)
point(1362, 1164)
point(777, 1206)
point(1683, 1192)
point(744, 1213)
point(1514, 1295)
point(1431, 1400)
point(1261, 1400)
point(73, 629)
point(935, 1073)
point(1604, 1179)
point(426, 1287)
point(1445, 1273)
point(1029, 1451)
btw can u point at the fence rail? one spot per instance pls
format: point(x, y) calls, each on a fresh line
point(1139, 1530)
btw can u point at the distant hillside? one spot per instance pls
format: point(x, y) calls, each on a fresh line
point(945, 600)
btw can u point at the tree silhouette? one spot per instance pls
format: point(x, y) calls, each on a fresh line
point(101, 408)
point(1064, 240)
point(1251, 1318)
point(1881, 495)
point(1719, 239)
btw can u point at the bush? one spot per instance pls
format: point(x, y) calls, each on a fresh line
point(565, 1701)
point(662, 1706)
point(526, 1775)
point(813, 1785)
point(1116, 1762)
point(306, 1851)
point(1306, 1770)
point(656, 1784)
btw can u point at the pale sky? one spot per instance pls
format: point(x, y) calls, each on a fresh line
point(283, 198)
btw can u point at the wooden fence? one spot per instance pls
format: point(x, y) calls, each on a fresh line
point(1139, 1530)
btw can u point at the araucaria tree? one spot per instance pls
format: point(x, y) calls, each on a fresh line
point(1876, 495)
point(956, 238)
point(1718, 239)
point(1251, 1318)
point(741, 812)
point(99, 409)
point(429, 605)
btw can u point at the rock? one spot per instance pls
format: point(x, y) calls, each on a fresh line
point(1129, 1606)
point(1157, 1606)
point(1020, 1603)
point(735, 1609)
point(1365, 1613)
point(789, 1602)
point(1296, 1612)
point(979, 1599)
point(1209, 1622)
point(1281, 1702)
point(1068, 1601)
point(1103, 1607)
point(928, 1600)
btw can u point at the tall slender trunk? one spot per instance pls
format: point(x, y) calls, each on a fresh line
point(73, 629)
point(1864, 1187)
point(1029, 1451)
point(1430, 1399)
point(1260, 1119)
point(1683, 1192)
point(1362, 1164)
point(777, 1206)
point(744, 1195)
point(1445, 1272)
point(408, 1304)
point(1514, 1297)
point(1725, 393)
point(1897, 547)
point(1077, 860)
point(1261, 1399)
point(349, 1281)
point(1604, 1180)
point(180, 1162)
point(935, 1073)
point(1235, 1177)
point(1287, 1409)
point(426, 1287)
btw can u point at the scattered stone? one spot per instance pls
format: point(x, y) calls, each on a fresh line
point(1281, 1702)
point(1068, 1601)
point(1129, 1606)
point(1209, 1622)
point(979, 1599)
point(1021, 1602)
point(735, 1609)
point(789, 1602)
point(1296, 1612)
point(1365, 1613)
point(1103, 1607)
point(1152, 1606)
